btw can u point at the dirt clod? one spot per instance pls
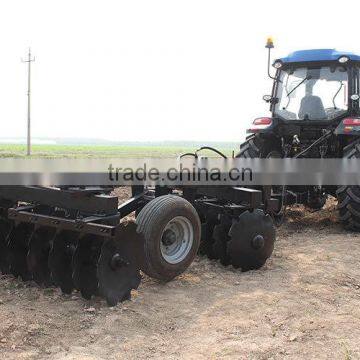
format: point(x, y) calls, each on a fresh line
point(90, 310)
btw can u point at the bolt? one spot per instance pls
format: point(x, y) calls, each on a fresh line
point(258, 242)
point(117, 262)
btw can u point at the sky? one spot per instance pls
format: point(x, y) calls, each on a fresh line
point(153, 70)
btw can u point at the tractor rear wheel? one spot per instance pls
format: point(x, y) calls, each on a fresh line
point(171, 229)
point(349, 196)
point(258, 147)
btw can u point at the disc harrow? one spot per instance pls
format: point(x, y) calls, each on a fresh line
point(245, 241)
point(73, 238)
point(252, 238)
point(92, 264)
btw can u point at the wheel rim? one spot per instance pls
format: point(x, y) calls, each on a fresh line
point(176, 240)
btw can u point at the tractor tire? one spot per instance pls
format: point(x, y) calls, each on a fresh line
point(349, 195)
point(257, 147)
point(171, 229)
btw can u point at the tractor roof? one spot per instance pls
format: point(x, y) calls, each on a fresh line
point(318, 55)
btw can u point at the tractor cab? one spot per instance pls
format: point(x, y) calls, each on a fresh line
point(312, 87)
point(316, 85)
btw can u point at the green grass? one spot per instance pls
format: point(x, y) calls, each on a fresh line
point(88, 151)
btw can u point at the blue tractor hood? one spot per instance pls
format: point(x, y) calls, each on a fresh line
point(317, 55)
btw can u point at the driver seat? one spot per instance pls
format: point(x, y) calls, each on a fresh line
point(312, 106)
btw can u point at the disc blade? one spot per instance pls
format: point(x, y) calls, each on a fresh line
point(252, 238)
point(61, 254)
point(17, 249)
point(5, 229)
point(84, 263)
point(119, 264)
point(207, 228)
point(37, 257)
point(207, 239)
point(219, 247)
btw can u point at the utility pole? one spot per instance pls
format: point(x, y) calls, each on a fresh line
point(28, 61)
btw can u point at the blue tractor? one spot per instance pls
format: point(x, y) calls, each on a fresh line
point(315, 113)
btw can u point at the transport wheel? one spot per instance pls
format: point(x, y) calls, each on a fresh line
point(171, 229)
point(349, 196)
point(252, 238)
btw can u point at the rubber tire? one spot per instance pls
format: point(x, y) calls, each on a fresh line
point(151, 222)
point(257, 147)
point(349, 196)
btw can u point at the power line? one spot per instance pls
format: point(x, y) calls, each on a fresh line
point(29, 60)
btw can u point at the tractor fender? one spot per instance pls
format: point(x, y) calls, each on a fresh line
point(259, 129)
point(343, 129)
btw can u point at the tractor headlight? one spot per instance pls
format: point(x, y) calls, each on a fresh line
point(277, 64)
point(343, 59)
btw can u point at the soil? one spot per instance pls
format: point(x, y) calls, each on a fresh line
point(304, 303)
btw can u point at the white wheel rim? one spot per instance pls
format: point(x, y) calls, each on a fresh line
point(177, 240)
